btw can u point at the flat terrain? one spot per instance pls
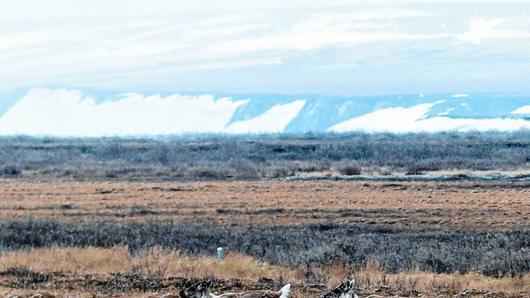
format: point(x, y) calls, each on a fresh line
point(141, 218)
point(421, 237)
point(71, 272)
point(403, 204)
point(260, 157)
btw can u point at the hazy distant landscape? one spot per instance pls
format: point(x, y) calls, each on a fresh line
point(263, 157)
point(264, 149)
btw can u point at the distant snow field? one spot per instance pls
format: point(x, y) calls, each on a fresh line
point(70, 113)
point(414, 119)
point(525, 110)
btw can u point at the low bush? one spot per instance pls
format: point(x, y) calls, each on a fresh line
point(350, 169)
point(10, 171)
point(258, 157)
point(494, 253)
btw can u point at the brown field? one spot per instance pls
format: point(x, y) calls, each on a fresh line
point(81, 272)
point(112, 272)
point(408, 204)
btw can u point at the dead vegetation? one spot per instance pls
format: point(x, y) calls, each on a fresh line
point(74, 223)
point(493, 253)
point(114, 271)
point(487, 204)
point(154, 261)
point(258, 157)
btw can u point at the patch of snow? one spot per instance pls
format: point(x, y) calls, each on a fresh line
point(64, 113)
point(447, 112)
point(404, 120)
point(438, 124)
point(344, 107)
point(272, 121)
point(521, 110)
point(386, 120)
point(460, 95)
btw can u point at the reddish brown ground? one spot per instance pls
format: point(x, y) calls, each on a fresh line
point(433, 204)
point(398, 204)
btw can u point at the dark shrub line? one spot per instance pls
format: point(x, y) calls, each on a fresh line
point(494, 253)
point(257, 157)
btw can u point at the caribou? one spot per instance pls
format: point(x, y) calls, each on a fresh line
point(202, 290)
point(344, 290)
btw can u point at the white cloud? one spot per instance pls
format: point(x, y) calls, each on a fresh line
point(327, 29)
point(479, 30)
point(483, 29)
point(24, 39)
point(70, 113)
point(272, 121)
point(133, 45)
point(230, 64)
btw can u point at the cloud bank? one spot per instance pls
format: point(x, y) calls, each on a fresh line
point(322, 47)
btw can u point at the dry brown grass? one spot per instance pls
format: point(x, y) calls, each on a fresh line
point(155, 261)
point(405, 204)
point(426, 282)
point(432, 204)
point(99, 261)
point(372, 278)
point(15, 293)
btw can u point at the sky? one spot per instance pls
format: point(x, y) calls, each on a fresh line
point(343, 48)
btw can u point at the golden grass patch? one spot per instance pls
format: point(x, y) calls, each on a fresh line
point(160, 262)
point(154, 261)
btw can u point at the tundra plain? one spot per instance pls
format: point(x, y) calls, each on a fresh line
point(129, 218)
point(468, 204)
point(72, 238)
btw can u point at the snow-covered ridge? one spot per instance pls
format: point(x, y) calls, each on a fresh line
point(414, 119)
point(273, 120)
point(524, 110)
point(68, 113)
point(64, 112)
